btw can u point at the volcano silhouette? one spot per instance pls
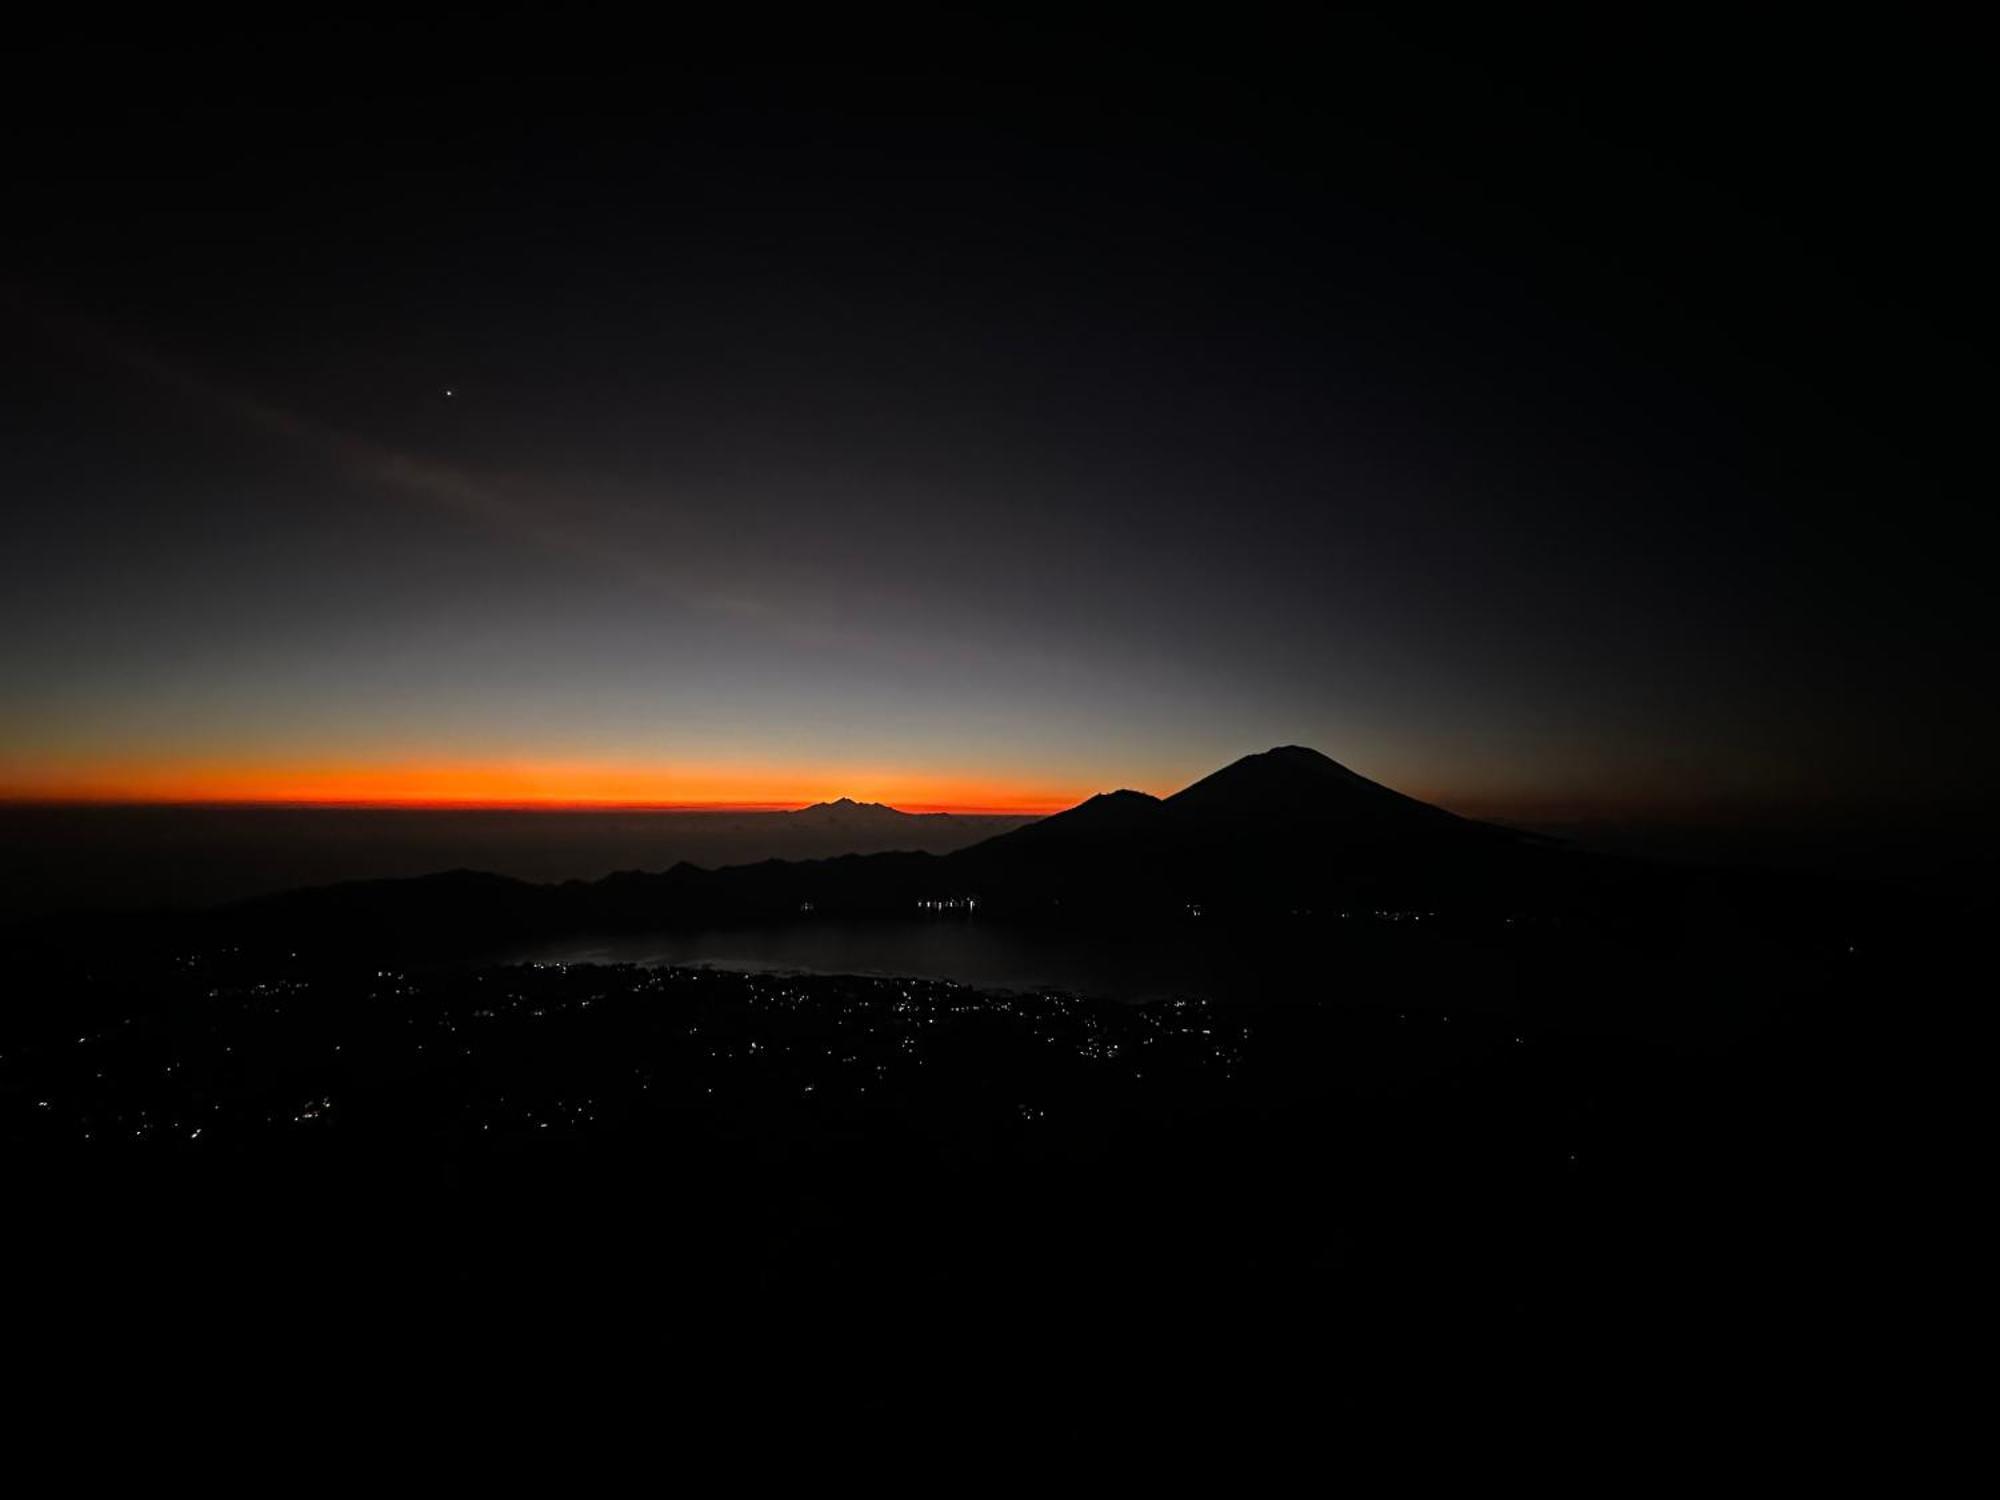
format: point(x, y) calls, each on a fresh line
point(1291, 793)
point(1287, 825)
point(1295, 783)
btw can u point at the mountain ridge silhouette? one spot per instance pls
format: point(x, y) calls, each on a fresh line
point(1287, 830)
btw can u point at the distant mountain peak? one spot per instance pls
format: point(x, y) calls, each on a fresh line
point(849, 805)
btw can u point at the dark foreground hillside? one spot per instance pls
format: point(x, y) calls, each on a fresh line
point(893, 1196)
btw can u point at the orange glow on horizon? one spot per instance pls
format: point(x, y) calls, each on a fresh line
point(526, 785)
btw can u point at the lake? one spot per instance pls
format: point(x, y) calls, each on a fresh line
point(1215, 961)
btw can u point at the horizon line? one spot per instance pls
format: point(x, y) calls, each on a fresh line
point(528, 783)
point(522, 804)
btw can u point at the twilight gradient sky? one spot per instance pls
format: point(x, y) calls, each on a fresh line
point(1523, 418)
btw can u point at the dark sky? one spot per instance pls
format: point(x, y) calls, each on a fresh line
point(1535, 416)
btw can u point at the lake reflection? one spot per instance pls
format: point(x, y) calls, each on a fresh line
point(1133, 966)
